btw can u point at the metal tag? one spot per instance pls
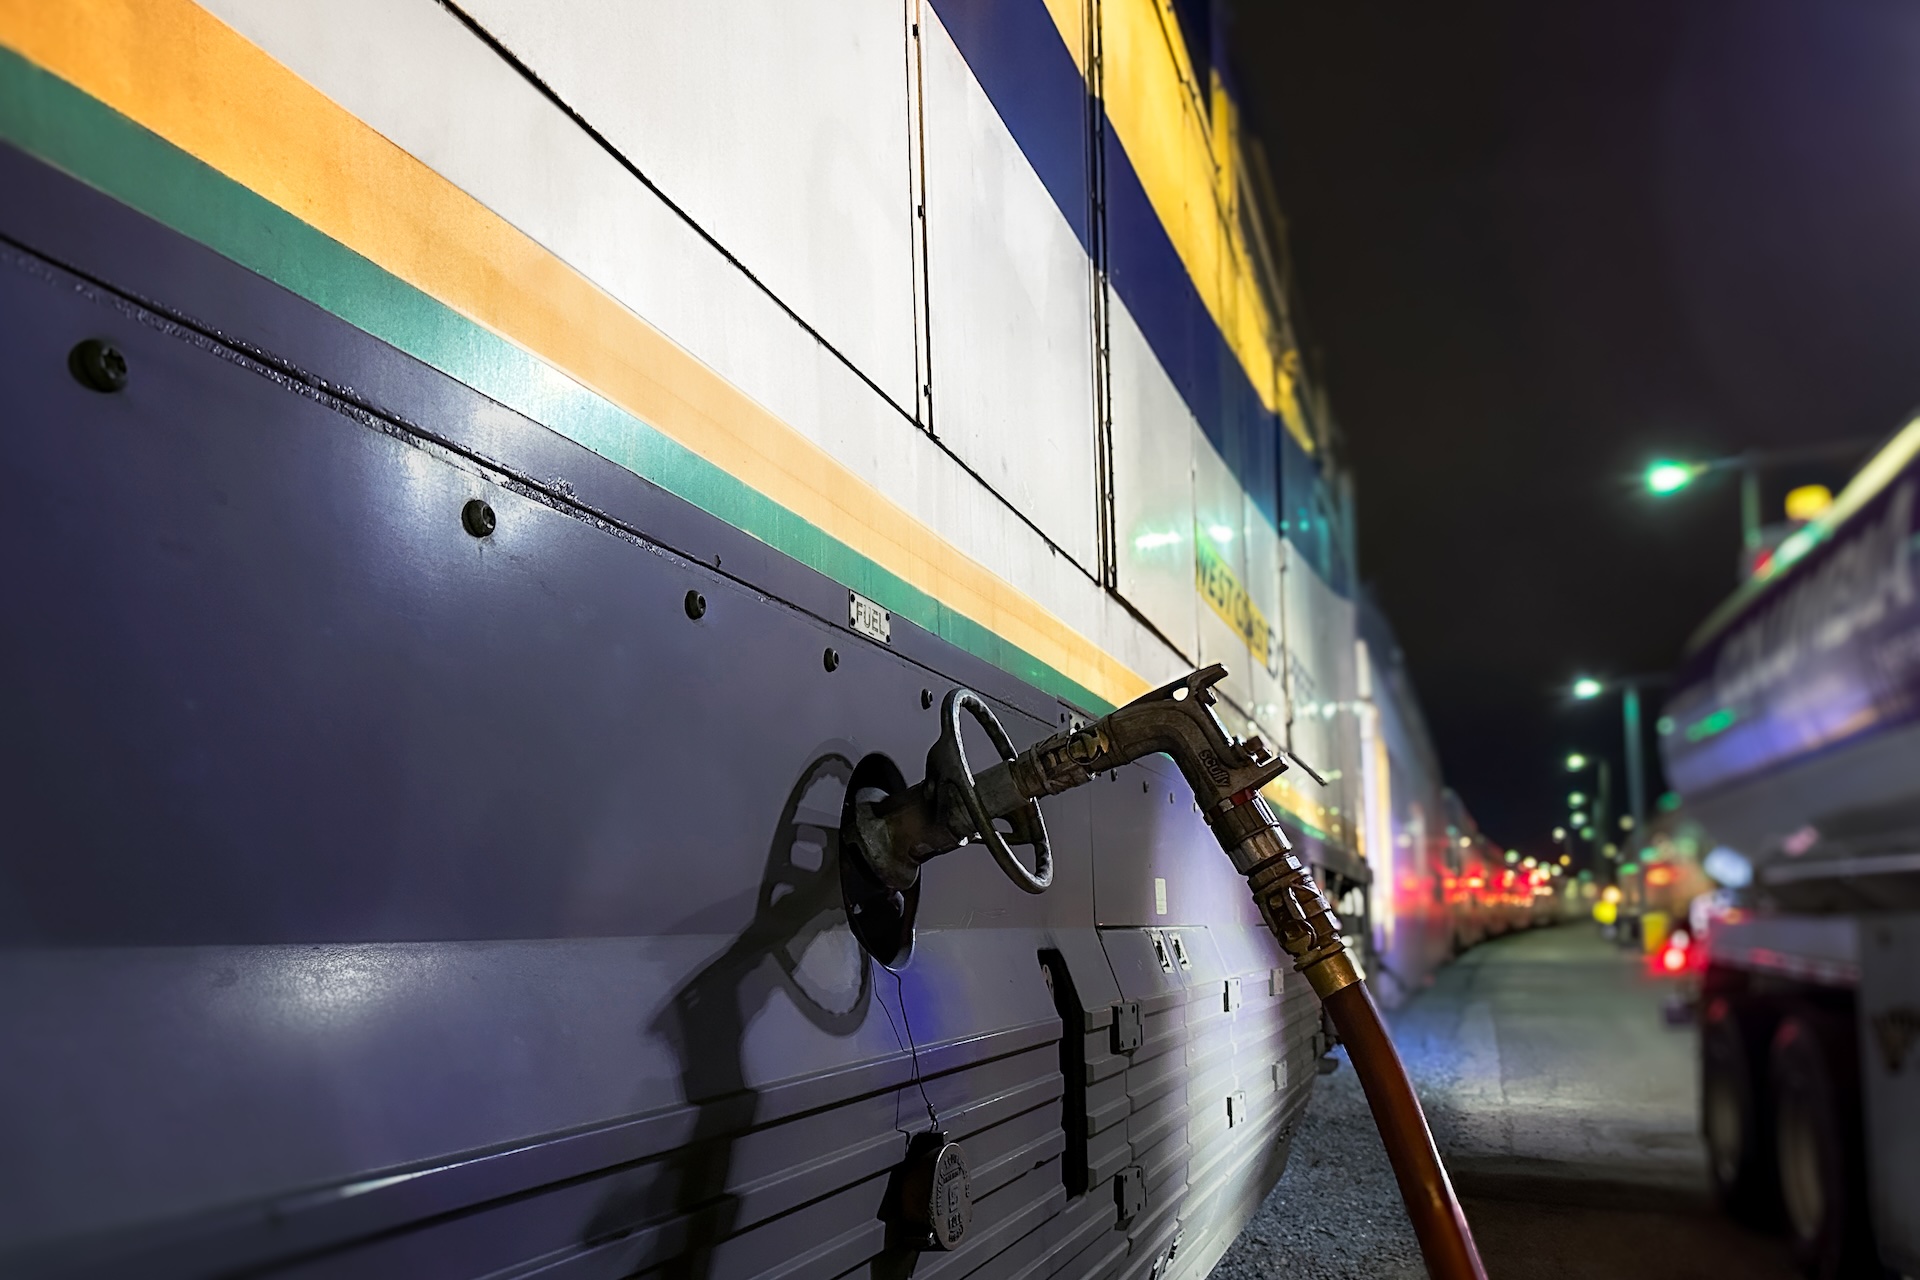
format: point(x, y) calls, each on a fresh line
point(950, 1208)
point(868, 618)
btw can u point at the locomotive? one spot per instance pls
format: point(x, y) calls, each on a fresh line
point(495, 484)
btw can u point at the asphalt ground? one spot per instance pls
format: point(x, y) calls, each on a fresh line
point(1566, 1111)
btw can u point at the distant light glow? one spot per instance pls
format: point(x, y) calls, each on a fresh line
point(1586, 833)
point(1576, 798)
point(1579, 818)
point(1663, 726)
point(1154, 541)
point(1809, 502)
point(1708, 726)
point(1728, 867)
point(1566, 860)
point(1559, 834)
point(1667, 476)
point(1526, 862)
point(1587, 687)
point(1576, 762)
point(1626, 822)
point(1513, 855)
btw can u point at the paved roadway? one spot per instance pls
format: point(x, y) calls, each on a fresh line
point(1566, 1111)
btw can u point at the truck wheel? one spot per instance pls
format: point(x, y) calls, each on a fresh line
point(1816, 1110)
point(1734, 1114)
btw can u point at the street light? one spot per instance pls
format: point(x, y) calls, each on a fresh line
point(1587, 688)
point(1587, 818)
point(1669, 476)
point(1666, 477)
point(1576, 799)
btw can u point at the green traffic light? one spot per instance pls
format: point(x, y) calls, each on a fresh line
point(1670, 477)
point(1587, 687)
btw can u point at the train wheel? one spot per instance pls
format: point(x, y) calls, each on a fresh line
point(1734, 1112)
point(1816, 1109)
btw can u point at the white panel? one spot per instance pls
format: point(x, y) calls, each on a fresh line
point(1011, 293)
point(780, 127)
point(1311, 678)
point(1263, 584)
point(1153, 435)
point(1322, 681)
point(415, 75)
point(1219, 508)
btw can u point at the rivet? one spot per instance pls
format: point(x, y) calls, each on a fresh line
point(831, 659)
point(98, 365)
point(696, 605)
point(477, 518)
point(926, 699)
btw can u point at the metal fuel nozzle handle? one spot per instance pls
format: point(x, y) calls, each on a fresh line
point(1176, 719)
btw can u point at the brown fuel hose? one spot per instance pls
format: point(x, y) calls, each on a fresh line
point(1446, 1243)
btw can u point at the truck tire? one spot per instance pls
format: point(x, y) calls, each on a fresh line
point(1735, 1115)
point(1819, 1147)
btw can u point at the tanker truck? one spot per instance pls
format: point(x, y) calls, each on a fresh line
point(1793, 734)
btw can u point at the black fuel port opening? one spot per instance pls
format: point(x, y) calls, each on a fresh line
point(881, 917)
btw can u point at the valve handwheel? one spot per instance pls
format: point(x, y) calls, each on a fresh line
point(947, 762)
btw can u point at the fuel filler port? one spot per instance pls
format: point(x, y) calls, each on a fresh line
point(888, 830)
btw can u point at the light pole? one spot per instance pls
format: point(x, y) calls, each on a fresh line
point(1670, 476)
point(1586, 689)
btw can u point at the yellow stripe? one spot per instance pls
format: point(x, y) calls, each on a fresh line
point(173, 68)
point(1188, 164)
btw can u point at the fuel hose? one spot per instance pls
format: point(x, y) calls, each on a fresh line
point(1446, 1243)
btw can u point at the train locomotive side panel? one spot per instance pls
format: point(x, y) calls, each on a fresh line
point(516, 398)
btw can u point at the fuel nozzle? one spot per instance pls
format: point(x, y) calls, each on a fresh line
point(1226, 774)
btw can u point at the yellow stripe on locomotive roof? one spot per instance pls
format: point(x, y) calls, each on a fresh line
point(1188, 157)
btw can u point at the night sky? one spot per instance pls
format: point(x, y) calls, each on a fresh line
point(1537, 245)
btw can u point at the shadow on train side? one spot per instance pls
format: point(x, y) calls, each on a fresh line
point(797, 944)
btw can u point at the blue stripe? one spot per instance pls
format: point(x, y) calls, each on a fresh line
point(1015, 52)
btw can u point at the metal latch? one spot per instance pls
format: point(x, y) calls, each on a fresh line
point(1130, 1191)
point(1128, 1030)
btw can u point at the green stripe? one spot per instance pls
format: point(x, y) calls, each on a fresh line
point(51, 119)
